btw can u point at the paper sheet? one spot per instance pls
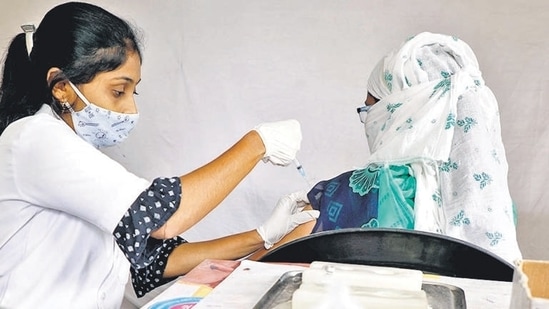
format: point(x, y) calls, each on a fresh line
point(257, 278)
point(194, 286)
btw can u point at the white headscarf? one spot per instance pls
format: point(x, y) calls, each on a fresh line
point(436, 114)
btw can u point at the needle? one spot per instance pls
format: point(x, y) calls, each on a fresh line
point(301, 171)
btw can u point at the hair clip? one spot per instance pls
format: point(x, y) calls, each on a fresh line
point(29, 31)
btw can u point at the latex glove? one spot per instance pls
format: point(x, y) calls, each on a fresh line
point(286, 216)
point(282, 140)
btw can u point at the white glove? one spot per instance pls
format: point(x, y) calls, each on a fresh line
point(286, 216)
point(282, 140)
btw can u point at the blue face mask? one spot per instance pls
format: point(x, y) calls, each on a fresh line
point(101, 127)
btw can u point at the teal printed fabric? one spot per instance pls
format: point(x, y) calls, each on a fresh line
point(369, 198)
point(397, 188)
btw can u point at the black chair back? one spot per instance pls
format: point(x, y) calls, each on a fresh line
point(428, 252)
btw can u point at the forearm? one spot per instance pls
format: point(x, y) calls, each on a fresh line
point(206, 187)
point(188, 255)
point(302, 230)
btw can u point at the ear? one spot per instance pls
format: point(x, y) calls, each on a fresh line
point(61, 90)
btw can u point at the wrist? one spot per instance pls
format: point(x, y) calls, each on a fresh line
point(263, 238)
point(256, 142)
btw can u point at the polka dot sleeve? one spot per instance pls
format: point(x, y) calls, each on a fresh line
point(147, 279)
point(151, 210)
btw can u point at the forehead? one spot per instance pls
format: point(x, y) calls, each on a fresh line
point(370, 99)
point(129, 71)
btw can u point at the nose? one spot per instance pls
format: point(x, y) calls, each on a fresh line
point(131, 106)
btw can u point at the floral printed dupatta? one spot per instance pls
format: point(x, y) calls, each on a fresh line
point(436, 115)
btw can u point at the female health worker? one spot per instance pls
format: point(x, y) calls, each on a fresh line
point(73, 222)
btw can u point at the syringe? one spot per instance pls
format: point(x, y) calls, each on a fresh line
point(301, 171)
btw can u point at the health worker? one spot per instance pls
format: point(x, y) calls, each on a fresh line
point(73, 222)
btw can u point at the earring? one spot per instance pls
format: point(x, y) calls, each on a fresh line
point(61, 107)
point(65, 106)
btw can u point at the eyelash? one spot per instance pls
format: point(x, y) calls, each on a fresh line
point(120, 93)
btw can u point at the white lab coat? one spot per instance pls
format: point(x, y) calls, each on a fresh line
point(60, 200)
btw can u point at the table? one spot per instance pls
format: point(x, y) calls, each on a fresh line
point(241, 284)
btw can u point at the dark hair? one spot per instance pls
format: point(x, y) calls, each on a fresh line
point(80, 39)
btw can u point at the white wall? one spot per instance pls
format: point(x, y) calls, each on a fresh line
point(214, 69)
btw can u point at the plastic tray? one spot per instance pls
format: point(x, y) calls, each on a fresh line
point(279, 296)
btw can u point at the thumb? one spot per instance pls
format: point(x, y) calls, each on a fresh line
point(299, 196)
point(276, 161)
point(305, 216)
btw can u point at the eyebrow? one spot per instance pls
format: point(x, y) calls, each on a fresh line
point(130, 80)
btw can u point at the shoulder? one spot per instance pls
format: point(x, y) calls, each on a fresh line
point(42, 126)
point(341, 178)
point(329, 186)
point(47, 141)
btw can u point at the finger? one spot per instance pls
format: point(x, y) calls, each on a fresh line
point(276, 161)
point(300, 196)
point(301, 206)
point(305, 216)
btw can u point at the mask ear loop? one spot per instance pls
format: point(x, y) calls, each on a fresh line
point(29, 31)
